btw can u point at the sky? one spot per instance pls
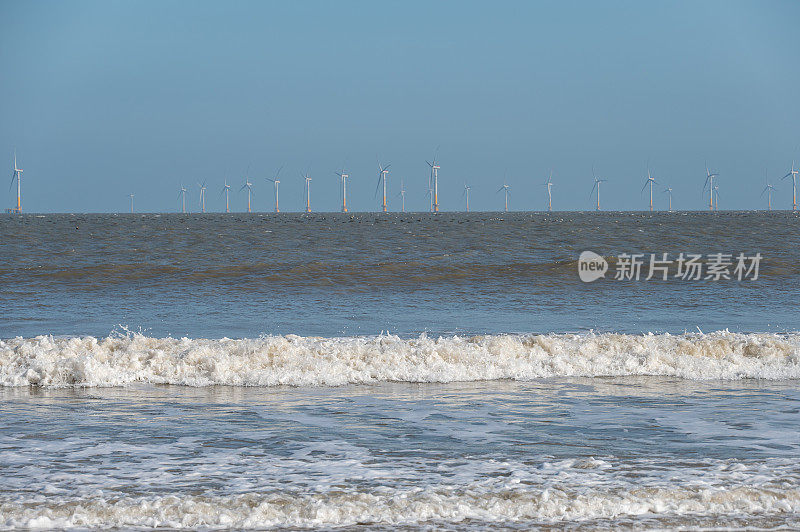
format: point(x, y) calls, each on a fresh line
point(104, 99)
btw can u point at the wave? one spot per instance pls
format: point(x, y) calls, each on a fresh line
point(119, 360)
point(672, 506)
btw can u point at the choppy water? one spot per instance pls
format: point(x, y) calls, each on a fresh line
point(253, 371)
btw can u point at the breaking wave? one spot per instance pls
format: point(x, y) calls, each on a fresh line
point(399, 507)
point(120, 360)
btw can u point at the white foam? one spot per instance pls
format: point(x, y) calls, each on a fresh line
point(396, 507)
point(306, 361)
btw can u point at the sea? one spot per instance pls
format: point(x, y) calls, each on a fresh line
point(401, 371)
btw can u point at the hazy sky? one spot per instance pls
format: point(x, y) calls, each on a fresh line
point(102, 99)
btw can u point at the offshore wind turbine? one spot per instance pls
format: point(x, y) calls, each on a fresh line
point(131, 196)
point(249, 186)
point(466, 197)
point(226, 190)
point(596, 185)
point(768, 189)
point(17, 174)
point(792, 173)
point(275, 181)
point(650, 181)
point(505, 188)
point(182, 197)
point(402, 195)
point(710, 184)
point(307, 191)
point(716, 200)
point(382, 171)
point(343, 176)
point(202, 196)
point(668, 190)
point(433, 184)
point(549, 185)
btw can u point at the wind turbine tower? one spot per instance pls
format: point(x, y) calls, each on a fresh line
point(668, 190)
point(182, 196)
point(343, 176)
point(131, 196)
point(434, 184)
point(249, 186)
point(202, 196)
point(466, 197)
point(308, 192)
point(382, 171)
point(226, 190)
point(505, 188)
point(596, 185)
point(650, 181)
point(17, 174)
point(792, 173)
point(275, 181)
point(549, 185)
point(710, 184)
point(768, 189)
point(402, 195)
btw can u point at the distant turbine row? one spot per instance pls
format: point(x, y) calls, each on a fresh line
point(709, 187)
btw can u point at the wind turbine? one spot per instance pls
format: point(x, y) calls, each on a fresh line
point(276, 182)
point(249, 186)
point(549, 185)
point(402, 196)
point(433, 184)
point(343, 176)
point(182, 196)
point(716, 200)
point(202, 196)
point(382, 171)
point(226, 190)
point(650, 181)
point(596, 185)
point(793, 173)
point(710, 184)
point(768, 189)
point(466, 196)
point(505, 188)
point(131, 196)
point(308, 191)
point(17, 174)
point(668, 190)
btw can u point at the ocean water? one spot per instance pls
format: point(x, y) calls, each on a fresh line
point(395, 371)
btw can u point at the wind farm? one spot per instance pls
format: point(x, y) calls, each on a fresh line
point(711, 186)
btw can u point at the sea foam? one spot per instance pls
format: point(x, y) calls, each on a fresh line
point(313, 361)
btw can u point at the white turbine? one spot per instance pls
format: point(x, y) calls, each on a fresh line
point(249, 186)
point(182, 197)
point(504, 188)
point(226, 190)
point(275, 181)
point(792, 173)
point(710, 184)
point(382, 171)
point(668, 190)
point(596, 185)
point(768, 189)
point(17, 174)
point(131, 196)
point(402, 196)
point(433, 184)
point(343, 176)
point(202, 196)
point(307, 191)
point(549, 185)
point(466, 197)
point(650, 181)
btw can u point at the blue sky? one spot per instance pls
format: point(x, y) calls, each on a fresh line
point(102, 99)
